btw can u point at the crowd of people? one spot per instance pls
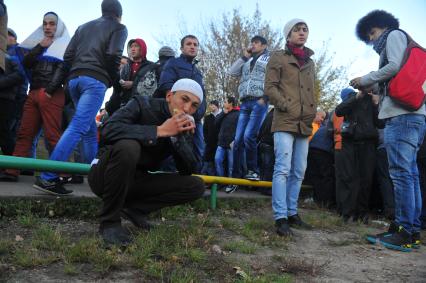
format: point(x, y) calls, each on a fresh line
point(154, 131)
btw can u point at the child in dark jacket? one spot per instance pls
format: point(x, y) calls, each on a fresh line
point(226, 123)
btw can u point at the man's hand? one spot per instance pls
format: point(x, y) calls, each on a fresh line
point(126, 84)
point(178, 123)
point(46, 42)
point(355, 83)
point(246, 53)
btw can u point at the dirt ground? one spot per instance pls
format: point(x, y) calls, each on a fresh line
point(234, 244)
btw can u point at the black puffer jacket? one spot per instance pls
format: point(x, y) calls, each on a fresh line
point(95, 50)
point(10, 81)
point(362, 113)
point(44, 74)
point(138, 120)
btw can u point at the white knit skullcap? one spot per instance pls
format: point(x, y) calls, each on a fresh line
point(290, 24)
point(189, 86)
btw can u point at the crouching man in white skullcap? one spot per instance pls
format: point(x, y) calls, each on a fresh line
point(134, 142)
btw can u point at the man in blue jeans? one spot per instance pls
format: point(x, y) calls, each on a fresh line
point(404, 129)
point(92, 58)
point(254, 105)
point(295, 109)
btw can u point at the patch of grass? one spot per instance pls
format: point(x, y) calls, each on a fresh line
point(322, 219)
point(183, 275)
point(241, 247)
point(32, 258)
point(6, 246)
point(196, 255)
point(28, 220)
point(230, 223)
point(90, 250)
point(46, 238)
point(70, 269)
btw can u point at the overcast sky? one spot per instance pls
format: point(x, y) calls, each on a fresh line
point(329, 21)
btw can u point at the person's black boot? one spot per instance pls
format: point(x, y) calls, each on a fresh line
point(283, 229)
point(393, 227)
point(295, 222)
point(115, 235)
point(136, 217)
point(400, 240)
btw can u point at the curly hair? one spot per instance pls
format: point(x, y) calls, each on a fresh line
point(375, 19)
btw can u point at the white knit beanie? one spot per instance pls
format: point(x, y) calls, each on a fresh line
point(290, 24)
point(189, 86)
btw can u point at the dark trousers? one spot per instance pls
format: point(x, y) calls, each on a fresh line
point(355, 164)
point(7, 121)
point(266, 161)
point(320, 172)
point(385, 183)
point(118, 182)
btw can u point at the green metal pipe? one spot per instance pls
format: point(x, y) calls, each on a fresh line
point(213, 196)
point(24, 163)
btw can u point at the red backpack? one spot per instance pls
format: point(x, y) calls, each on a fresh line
point(406, 87)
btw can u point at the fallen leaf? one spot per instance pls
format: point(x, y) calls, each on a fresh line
point(18, 238)
point(216, 249)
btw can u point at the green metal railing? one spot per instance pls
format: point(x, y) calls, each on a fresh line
point(83, 169)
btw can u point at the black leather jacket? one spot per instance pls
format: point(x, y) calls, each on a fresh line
point(138, 120)
point(95, 50)
point(44, 74)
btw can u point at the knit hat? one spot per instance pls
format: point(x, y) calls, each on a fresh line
point(346, 93)
point(166, 51)
point(12, 33)
point(111, 7)
point(141, 43)
point(189, 86)
point(290, 24)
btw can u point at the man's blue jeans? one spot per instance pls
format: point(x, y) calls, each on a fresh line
point(87, 94)
point(199, 145)
point(291, 154)
point(403, 136)
point(222, 154)
point(252, 113)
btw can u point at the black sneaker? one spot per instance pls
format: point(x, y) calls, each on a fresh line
point(74, 179)
point(252, 176)
point(230, 189)
point(51, 187)
point(393, 227)
point(283, 229)
point(6, 177)
point(115, 235)
point(400, 240)
point(295, 222)
point(136, 217)
point(416, 240)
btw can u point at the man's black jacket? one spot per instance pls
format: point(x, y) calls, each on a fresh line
point(138, 120)
point(95, 50)
point(44, 74)
point(10, 80)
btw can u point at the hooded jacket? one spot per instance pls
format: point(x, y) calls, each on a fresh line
point(290, 89)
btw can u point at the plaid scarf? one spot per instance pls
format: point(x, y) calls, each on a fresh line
point(300, 54)
point(380, 43)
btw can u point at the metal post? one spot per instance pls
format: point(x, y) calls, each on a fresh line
point(213, 196)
